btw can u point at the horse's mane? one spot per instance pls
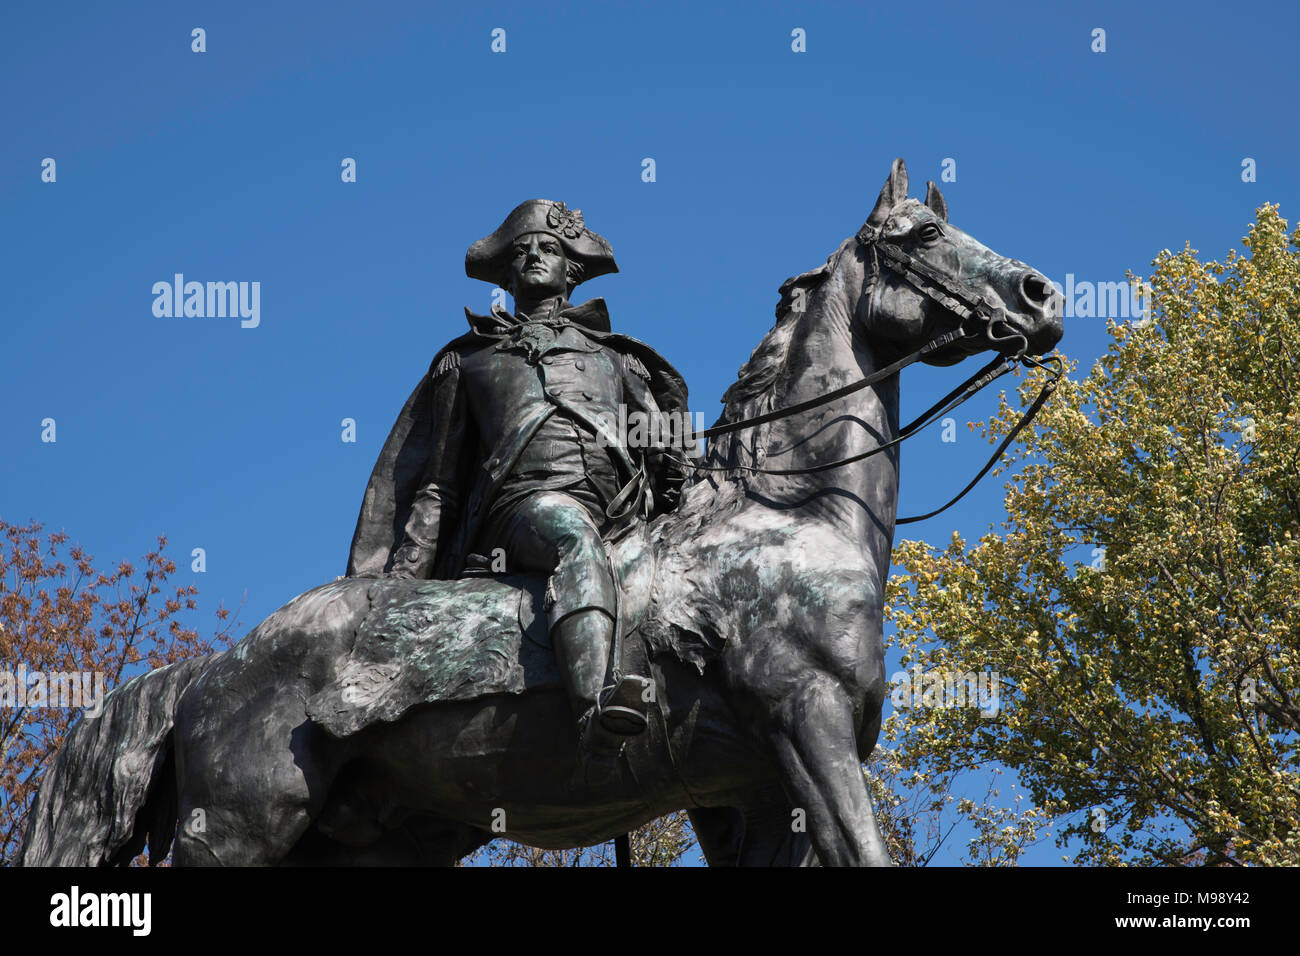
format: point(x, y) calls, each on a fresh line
point(686, 615)
point(752, 392)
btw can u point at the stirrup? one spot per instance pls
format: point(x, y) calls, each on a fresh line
point(594, 740)
point(623, 707)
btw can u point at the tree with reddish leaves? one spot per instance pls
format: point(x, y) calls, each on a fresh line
point(69, 618)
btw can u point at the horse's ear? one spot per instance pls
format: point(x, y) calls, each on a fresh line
point(934, 199)
point(894, 192)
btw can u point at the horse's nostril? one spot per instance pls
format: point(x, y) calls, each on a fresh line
point(1036, 289)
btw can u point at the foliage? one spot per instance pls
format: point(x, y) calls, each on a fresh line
point(917, 813)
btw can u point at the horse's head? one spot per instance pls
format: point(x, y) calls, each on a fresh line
point(922, 277)
point(907, 287)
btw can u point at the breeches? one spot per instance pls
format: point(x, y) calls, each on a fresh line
point(555, 532)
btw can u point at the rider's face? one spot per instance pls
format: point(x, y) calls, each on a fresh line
point(538, 265)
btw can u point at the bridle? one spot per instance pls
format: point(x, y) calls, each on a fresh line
point(956, 299)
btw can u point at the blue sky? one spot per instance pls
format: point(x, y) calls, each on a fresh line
point(225, 166)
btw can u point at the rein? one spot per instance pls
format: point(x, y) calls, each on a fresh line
point(957, 300)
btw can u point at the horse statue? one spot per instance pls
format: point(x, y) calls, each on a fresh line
point(395, 721)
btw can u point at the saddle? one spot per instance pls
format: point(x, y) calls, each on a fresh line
point(429, 642)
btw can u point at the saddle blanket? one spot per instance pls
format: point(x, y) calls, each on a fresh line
point(425, 642)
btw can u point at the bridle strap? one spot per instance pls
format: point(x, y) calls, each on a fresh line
point(993, 370)
point(1048, 387)
point(924, 277)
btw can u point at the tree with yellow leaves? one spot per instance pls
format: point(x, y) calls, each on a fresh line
point(1140, 607)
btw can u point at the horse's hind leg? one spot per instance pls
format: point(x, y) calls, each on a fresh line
point(249, 791)
point(252, 769)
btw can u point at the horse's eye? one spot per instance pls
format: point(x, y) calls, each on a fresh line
point(930, 233)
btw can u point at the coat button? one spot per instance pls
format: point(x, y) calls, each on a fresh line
point(547, 360)
point(581, 365)
point(586, 394)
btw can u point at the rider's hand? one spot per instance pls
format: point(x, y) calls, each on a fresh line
point(412, 561)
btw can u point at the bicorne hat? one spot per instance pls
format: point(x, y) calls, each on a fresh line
point(489, 258)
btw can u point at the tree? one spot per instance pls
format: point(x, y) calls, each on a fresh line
point(1139, 608)
point(917, 813)
point(60, 626)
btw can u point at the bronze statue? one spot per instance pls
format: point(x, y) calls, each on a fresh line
point(389, 718)
point(499, 453)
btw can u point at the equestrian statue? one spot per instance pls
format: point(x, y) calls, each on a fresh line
point(554, 632)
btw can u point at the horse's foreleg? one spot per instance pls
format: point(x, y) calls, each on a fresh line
point(815, 746)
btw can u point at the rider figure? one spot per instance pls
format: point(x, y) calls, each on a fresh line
point(507, 430)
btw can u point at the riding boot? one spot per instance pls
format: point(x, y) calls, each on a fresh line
point(582, 643)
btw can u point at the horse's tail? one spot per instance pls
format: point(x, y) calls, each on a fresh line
point(112, 787)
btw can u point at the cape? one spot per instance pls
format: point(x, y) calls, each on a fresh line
point(403, 459)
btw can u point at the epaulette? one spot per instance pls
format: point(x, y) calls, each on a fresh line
point(633, 364)
point(449, 361)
